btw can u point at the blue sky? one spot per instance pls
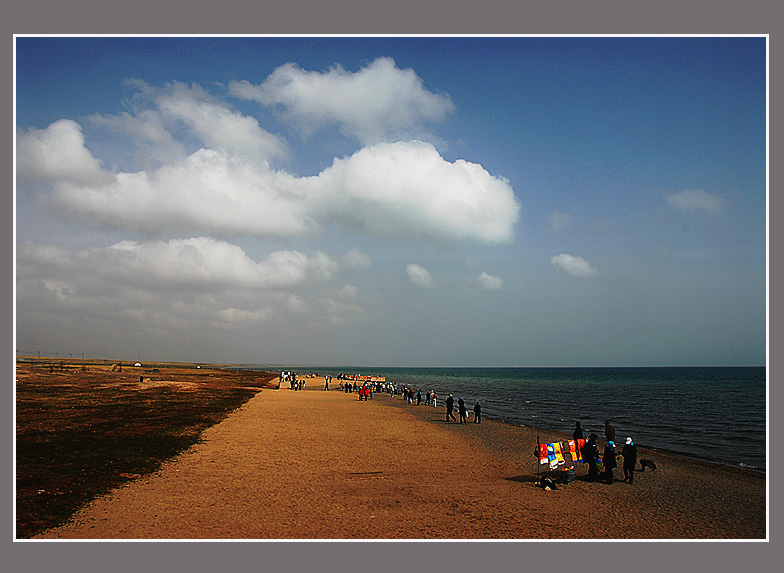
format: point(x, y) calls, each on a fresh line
point(393, 201)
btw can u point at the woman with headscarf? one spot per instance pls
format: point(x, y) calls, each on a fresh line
point(608, 461)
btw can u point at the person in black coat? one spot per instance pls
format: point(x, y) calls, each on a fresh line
point(578, 432)
point(590, 456)
point(477, 413)
point(462, 411)
point(629, 453)
point(450, 405)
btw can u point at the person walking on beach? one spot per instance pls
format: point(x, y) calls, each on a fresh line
point(608, 461)
point(629, 453)
point(609, 431)
point(477, 413)
point(591, 455)
point(461, 410)
point(433, 399)
point(578, 432)
point(450, 404)
point(419, 396)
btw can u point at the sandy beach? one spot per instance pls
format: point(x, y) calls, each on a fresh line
point(324, 465)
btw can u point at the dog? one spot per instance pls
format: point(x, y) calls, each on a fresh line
point(647, 464)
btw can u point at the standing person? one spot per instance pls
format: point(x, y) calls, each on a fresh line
point(608, 461)
point(419, 396)
point(461, 410)
point(609, 431)
point(433, 398)
point(578, 432)
point(591, 455)
point(450, 404)
point(326, 382)
point(629, 453)
point(477, 413)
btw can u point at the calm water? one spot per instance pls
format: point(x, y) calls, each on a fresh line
point(716, 414)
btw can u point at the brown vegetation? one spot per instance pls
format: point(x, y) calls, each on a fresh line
point(83, 429)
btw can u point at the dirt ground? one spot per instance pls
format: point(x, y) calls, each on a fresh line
point(324, 465)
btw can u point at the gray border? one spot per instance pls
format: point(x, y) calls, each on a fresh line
point(402, 17)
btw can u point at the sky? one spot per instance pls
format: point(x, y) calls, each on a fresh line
point(392, 201)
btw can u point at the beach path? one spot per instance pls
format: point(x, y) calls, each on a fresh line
point(323, 465)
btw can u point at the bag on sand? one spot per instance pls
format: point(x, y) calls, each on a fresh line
point(567, 476)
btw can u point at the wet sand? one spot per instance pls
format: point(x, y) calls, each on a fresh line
point(323, 465)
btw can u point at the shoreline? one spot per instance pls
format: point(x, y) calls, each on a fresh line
point(547, 434)
point(312, 464)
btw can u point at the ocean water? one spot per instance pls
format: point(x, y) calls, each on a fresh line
point(716, 414)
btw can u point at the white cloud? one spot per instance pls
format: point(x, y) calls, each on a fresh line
point(179, 285)
point(404, 189)
point(407, 189)
point(348, 292)
point(57, 154)
point(209, 192)
point(575, 266)
point(216, 125)
point(696, 200)
point(199, 263)
point(489, 282)
point(159, 112)
point(560, 221)
point(356, 259)
point(153, 144)
point(419, 276)
point(380, 102)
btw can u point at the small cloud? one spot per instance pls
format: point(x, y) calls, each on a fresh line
point(489, 282)
point(356, 259)
point(575, 266)
point(419, 276)
point(559, 221)
point(696, 200)
point(348, 292)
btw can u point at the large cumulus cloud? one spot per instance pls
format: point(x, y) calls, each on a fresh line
point(403, 189)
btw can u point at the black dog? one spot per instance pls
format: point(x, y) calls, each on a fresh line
point(647, 464)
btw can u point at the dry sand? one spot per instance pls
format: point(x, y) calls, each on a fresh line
point(323, 465)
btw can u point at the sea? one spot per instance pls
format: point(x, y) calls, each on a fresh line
point(717, 414)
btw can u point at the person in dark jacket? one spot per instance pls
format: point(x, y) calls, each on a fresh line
point(477, 413)
point(609, 431)
point(590, 456)
point(450, 405)
point(462, 411)
point(608, 461)
point(578, 431)
point(629, 453)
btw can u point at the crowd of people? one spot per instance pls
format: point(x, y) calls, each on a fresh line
point(608, 457)
point(430, 398)
point(590, 452)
